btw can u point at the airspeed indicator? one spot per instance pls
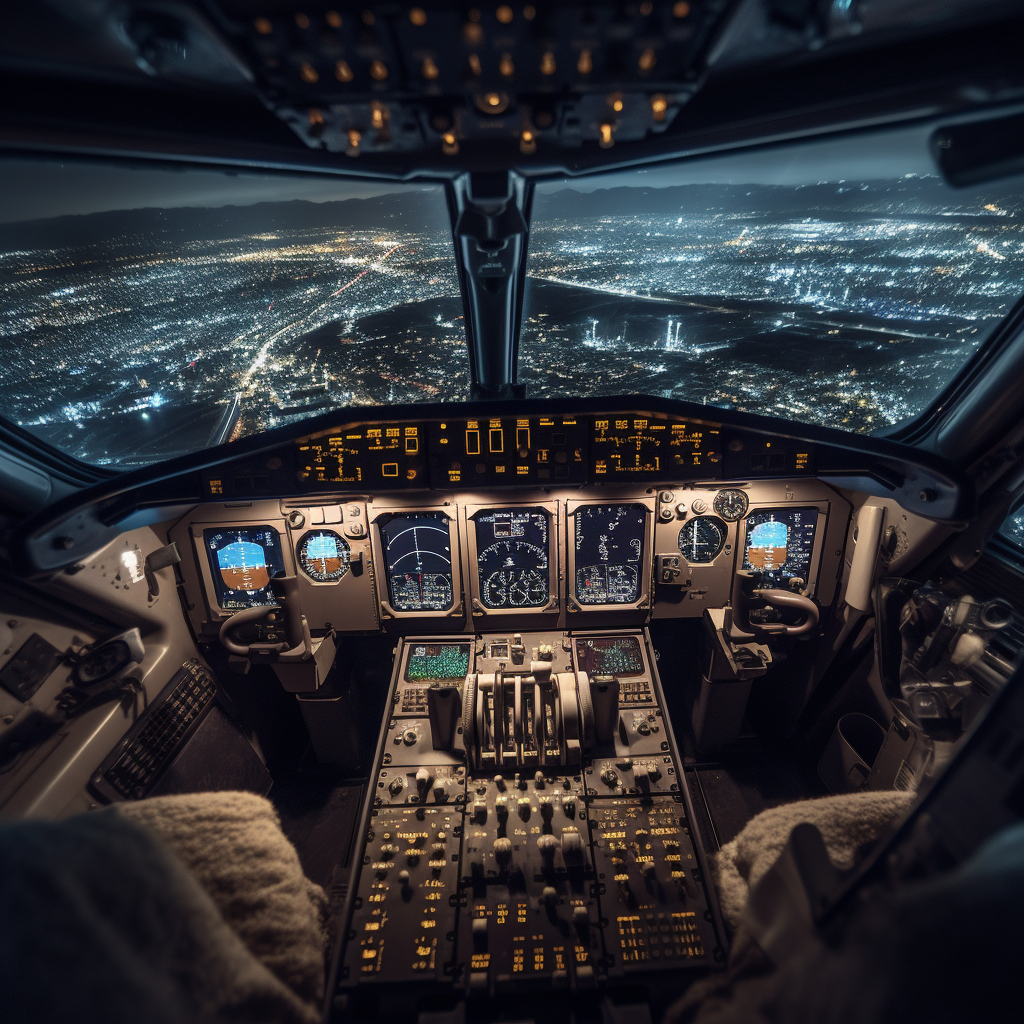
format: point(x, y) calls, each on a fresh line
point(701, 539)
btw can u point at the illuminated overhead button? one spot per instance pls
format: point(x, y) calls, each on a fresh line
point(429, 69)
point(449, 146)
point(342, 72)
point(606, 141)
point(586, 63)
point(506, 65)
point(527, 143)
point(472, 442)
point(378, 70)
point(412, 445)
point(681, 9)
point(389, 469)
point(647, 60)
point(615, 102)
point(659, 105)
point(522, 440)
point(547, 63)
point(309, 74)
point(418, 16)
point(504, 14)
point(263, 26)
point(497, 439)
point(333, 18)
point(302, 20)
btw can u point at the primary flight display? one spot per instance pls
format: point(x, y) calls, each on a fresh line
point(243, 560)
point(779, 544)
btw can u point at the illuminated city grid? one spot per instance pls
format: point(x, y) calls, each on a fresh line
point(846, 304)
point(850, 305)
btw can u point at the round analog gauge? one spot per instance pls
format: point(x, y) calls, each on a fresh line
point(323, 556)
point(701, 539)
point(731, 505)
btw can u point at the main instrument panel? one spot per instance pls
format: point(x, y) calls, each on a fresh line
point(562, 557)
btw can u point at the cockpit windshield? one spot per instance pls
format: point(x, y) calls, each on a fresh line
point(840, 283)
point(146, 313)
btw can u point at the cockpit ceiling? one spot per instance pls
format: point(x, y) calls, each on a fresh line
point(444, 87)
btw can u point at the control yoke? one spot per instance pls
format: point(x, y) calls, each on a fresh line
point(297, 645)
point(751, 604)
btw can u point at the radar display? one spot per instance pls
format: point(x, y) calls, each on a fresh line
point(437, 663)
point(417, 552)
point(242, 562)
point(779, 544)
point(609, 553)
point(512, 558)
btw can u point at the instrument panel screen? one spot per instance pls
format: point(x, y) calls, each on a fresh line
point(417, 551)
point(609, 553)
point(613, 656)
point(243, 560)
point(779, 544)
point(437, 663)
point(642, 448)
point(388, 455)
point(513, 567)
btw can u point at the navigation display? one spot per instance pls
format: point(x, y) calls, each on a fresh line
point(379, 454)
point(512, 557)
point(609, 553)
point(642, 447)
point(243, 560)
point(779, 543)
point(437, 663)
point(418, 561)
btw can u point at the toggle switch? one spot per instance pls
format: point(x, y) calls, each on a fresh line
point(440, 793)
point(501, 808)
point(581, 919)
point(397, 785)
point(499, 781)
point(423, 780)
point(549, 896)
point(610, 778)
point(569, 807)
point(524, 808)
point(480, 934)
point(547, 809)
point(538, 779)
point(480, 811)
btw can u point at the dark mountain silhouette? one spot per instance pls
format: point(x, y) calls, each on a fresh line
point(918, 196)
point(408, 211)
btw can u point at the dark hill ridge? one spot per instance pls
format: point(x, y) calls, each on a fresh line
point(924, 196)
point(425, 210)
point(421, 210)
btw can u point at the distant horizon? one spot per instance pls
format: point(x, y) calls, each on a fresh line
point(546, 189)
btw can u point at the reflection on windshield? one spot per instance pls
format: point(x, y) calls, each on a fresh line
point(845, 303)
point(136, 335)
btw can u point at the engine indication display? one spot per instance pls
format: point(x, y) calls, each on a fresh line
point(609, 553)
point(513, 566)
point(324, 556)
point(779, 544)
point(387, 455)
point(643, 447)
point(417, 553)
point(243, 560)
point(701, 539)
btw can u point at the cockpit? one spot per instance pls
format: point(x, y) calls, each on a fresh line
point(510, 513)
